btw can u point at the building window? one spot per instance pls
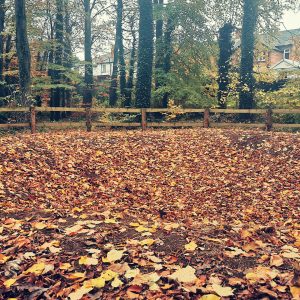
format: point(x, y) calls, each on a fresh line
point(103, 69)
point(286, 53)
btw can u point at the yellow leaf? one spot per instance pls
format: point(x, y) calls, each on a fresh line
point(95, 283)
point(109, 275)
point(276, 260)
point(134, 224)
point(39, 226)
point(36, 269)
point(65, 266)
point(78, 294)
point(192, 246)
point(222, 291)
point(1, 229)
point(113, 256)
point(185, 275)
point(116, 283)
point(8, 283)
point(88, 261)
point(76, 275)
point(132, 273)
point(73, 229)
point(210, 297)
point(4, 259)
point(110, 221)
point(295, 291)
point(147, 242)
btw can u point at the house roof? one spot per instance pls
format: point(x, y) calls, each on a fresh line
point(286, 65)
point(277, 41)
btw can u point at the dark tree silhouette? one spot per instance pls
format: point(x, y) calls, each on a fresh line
point(226, 51)
point(145, 54)
point(250, 18)
point(23, 51)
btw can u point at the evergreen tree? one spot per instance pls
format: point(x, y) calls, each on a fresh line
point(145, 54)
point(250, 17)
point(23, 51)
point(88, 75)
point(226, 51)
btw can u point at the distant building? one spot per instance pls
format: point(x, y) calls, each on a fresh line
point(280, 52)
point(103, 66)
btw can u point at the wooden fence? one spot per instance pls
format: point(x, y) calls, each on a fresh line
point(88, 123)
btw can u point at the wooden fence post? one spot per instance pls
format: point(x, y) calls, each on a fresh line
point(32, 119)
point(206, 121)
point(88, 116)
point(144, 118)
point(269, 119)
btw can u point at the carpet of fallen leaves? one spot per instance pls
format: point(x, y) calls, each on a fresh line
point(178, 214)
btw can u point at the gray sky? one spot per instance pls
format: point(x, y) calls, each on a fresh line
point(291, 20)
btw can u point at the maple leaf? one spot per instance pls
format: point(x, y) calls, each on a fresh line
point(113, 256)
point(36, 269)
point(222, 291)
point(88, 261)
point(185, 275)
point(192, 246)
point(8, 283)
point(79, 293)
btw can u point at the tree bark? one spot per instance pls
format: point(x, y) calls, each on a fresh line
point(168, 55)
point(121, 50)
point(145, 55)
point(247, 81)
point(88, 75)
point(2, 24)
point(226, 51)
point(159, 49)
point(23, 52)
point(68, 49)
point(129, 84)
point(58, 92)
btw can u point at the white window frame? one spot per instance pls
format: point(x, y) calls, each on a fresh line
point(286, 52)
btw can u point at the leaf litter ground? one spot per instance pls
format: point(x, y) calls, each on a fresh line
point(177, 214)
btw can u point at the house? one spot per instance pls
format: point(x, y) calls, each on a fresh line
point(280, 52)
point(103, 66)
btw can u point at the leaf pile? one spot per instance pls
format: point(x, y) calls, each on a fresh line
point(185, 214)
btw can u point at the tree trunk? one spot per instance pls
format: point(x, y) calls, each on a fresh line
point(23, 52)
point(168, 55)
point(118, 58)
point(129, 85)
point(2, 22)
point(145, 55)
point(113, 96)
point(247, 81)
point(121, 50)
point(88, 75)
point(58, 92)
point(159, 52)
point(226, 51)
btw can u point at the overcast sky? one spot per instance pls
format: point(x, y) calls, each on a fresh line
point(291, 20)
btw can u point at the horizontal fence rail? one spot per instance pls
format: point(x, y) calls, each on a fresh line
point(144, 124)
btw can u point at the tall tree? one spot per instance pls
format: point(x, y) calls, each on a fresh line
point(159, 49)
point(23, 51)
point(57, 95)
point(145, 54)
point(250, 18)
point(2, 22)
point(129, 83)
point(168, 49)
point(121, 50)
point(226, 51)
point(119, 60)
point(88, 75)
